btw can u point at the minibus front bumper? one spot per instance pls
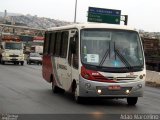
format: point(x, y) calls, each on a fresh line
point(88, 88)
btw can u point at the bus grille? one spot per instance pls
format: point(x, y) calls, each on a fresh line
point(121, 78)
point(114, 78)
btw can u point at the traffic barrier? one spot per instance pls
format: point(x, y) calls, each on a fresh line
point(153, 77)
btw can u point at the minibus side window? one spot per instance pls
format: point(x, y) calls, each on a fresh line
point(46, 43)
point(64, 44)
point(49, 43)
point(52, 43)
point(58, 44)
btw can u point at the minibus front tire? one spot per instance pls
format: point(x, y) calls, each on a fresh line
point(77, 98)
point(132, 100)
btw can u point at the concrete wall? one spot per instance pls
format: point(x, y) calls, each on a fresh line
point(153, 76)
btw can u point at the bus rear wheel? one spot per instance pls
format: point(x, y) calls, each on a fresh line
point(55, 89)
point(132, 100)
point(3, 62)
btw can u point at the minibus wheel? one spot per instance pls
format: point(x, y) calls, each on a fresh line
point(22, 63)
point(76, 97)
point(132, 100)
point(54, 88)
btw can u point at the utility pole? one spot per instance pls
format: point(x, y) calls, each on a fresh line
point(75, 12)
point(5, 15)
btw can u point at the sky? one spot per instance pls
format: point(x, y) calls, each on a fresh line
point(142, 14)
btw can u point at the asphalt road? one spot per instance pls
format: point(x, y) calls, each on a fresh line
point(23, 91)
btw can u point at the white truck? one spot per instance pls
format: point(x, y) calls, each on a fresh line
point(11, 50)
point(37, 49)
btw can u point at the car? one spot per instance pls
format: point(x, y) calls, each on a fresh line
point(35, 58)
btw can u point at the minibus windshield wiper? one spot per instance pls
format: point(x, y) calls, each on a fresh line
point(122, 58)
point(105, 56)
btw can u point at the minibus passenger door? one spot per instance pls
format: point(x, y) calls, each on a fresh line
point(69, 67)
point(71, 59)
point(75, 59)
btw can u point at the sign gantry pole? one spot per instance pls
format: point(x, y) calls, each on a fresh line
point(75, 12)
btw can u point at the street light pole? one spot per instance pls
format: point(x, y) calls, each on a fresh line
point(75, 12)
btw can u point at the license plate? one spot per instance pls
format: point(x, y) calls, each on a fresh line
point(114, 87)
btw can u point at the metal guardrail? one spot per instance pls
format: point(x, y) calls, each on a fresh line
point(153, 76)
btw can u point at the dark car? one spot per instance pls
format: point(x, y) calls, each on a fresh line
point(35, 58)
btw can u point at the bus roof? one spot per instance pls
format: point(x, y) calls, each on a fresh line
point(92, 25)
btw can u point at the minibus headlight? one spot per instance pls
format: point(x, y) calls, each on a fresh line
point(99, 91)
point(127, 91)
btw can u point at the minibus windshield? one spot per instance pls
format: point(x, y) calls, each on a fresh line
point(111, 48)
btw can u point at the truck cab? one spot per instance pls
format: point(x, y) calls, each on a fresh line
point(11, 51)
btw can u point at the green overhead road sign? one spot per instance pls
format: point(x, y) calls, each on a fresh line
point(102, 18)
point(102, 15)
